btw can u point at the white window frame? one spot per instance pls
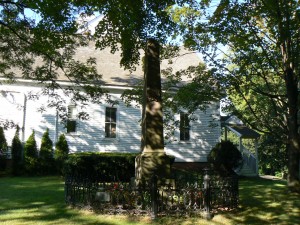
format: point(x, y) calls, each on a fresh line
point(72, 118)
point(115, 123)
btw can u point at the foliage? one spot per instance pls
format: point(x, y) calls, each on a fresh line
point(225, 157)
point(46, 159)
point(254, 46)
point(31, 155)
point(46, 150)
point(38, 42)
point(3, 149)
point(17, 154)
point(3, 143)
point(61, 152)
point(272, 156)
point(102, 166)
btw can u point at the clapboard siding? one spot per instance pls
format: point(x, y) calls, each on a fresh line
point(90, 135)
point(204, 134)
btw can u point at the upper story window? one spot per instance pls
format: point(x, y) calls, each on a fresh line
point(110, 122)
point(71, 122)
point(184, 127)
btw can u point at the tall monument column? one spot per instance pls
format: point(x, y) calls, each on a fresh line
point(152, 160)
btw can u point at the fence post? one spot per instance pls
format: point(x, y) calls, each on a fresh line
point(154, 202)
point(207, 195)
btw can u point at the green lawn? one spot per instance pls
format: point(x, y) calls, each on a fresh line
point(40, 200)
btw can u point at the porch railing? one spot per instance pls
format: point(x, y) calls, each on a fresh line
point(249, 159)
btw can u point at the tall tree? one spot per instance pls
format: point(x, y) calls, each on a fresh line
point(259, 42)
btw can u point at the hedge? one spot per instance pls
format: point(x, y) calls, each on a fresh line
point(105, 167)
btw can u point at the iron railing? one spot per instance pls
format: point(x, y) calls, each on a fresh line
point(198, 194)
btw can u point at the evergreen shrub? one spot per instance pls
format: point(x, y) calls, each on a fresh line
point(61, 153)
point(17, 154)
point(46, 159)
point(225, 157)
point(106, 167)
point(3, 150)
point(31, 156)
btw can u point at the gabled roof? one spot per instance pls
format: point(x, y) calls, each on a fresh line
point(243, 131)
point(108, 64)
point(234, 124)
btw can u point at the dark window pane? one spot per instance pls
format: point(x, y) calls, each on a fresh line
point(71, 126)
point(110, 122)
point(107, 130)
point(184, 127)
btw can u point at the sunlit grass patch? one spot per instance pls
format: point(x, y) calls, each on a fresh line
point(40, 200)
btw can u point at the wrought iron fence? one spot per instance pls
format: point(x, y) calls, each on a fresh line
point(183, 195)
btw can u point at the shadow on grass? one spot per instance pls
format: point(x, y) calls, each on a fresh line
point(264, 201)
point(39, 200)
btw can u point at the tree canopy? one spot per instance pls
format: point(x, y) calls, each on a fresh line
point(254, 45)
point(251, 47)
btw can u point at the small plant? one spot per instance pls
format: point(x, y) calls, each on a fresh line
point(17, 154)
point(31, 155)
point(46, 154)
point(225, 157)
point(3, 150)
point(61, 152)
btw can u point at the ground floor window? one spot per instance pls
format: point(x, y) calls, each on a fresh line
point(184, 127)
point(71, 122)
point(110, 122)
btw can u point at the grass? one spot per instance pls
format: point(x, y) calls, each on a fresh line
point(40, 200)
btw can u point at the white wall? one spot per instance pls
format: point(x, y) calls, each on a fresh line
point(90, 134)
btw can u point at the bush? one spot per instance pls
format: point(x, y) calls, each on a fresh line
point(17, 154)
point(31, 155)
point(46, 155)
point(61, 152)
point(3, 150)
point(102, 166)
point(225, 157)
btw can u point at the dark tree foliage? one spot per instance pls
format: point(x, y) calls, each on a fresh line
point(272, 156)
point(46, 159)
point(17, 154)
point(61, 152)
point(46, 150)
point(225, 157)
point(31, 155)
point(38, 41)
point(3, 149)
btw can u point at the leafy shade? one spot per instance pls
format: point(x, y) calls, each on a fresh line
point(38, 42)
point(254, 45)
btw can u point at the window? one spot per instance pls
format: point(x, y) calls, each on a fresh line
point(110, 122)
point(184, 127)
point(71, 122)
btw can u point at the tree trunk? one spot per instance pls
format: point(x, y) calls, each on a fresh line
point(293, 135)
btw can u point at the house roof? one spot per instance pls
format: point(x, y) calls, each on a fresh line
point(243, 131)
point(108, 65)
point(234, 124)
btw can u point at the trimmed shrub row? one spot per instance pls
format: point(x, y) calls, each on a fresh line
point(106, 167)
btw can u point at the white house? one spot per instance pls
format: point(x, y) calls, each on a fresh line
point(110, 128)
